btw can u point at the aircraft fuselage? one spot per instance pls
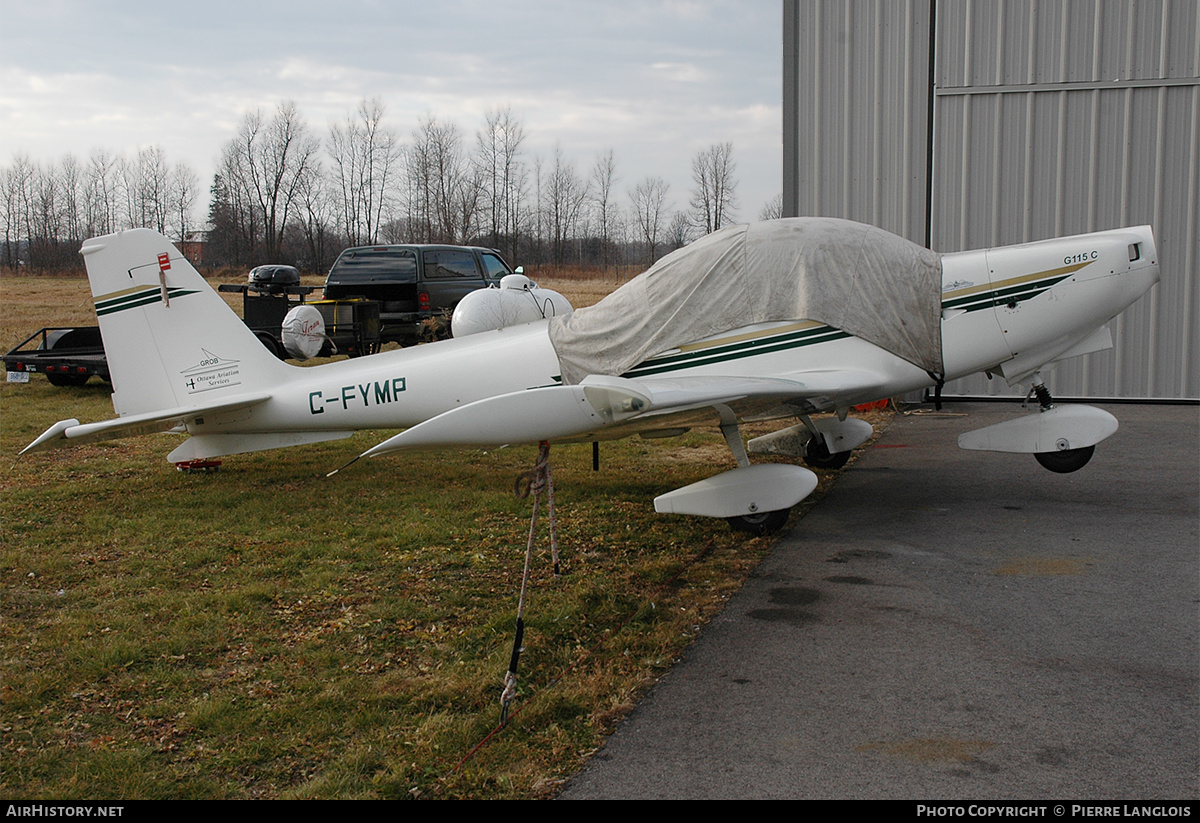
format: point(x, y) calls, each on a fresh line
point(1008, 310)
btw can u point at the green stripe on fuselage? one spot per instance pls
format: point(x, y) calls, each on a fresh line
point(736, 351)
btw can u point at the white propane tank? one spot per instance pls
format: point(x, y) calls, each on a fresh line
point(303, 332)
point(518, 300)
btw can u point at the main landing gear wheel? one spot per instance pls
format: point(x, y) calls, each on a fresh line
point(1065, 462)
point(760, 523)
point(816, 454)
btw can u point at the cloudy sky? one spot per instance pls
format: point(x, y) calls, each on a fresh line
point(653, 81)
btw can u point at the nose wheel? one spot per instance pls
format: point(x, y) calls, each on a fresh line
point(1065, 462)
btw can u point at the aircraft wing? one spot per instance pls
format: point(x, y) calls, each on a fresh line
point(73, 433)
point(605, 408)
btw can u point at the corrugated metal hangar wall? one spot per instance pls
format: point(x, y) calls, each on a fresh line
point(962, 124)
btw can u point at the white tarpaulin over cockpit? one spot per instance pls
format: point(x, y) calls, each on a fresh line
point(860, 279)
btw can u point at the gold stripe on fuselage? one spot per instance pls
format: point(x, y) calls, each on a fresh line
point(1014, 281)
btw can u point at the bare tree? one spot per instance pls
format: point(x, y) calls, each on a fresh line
point(184, 188)
point(604, 177)
point(18, 183)
point(41, 203)
point(649, 199)
point(713, 199)
point(467, 200)
point(70, 177)
point(365, 155)
point(316, 219)
point(679, 230)
point(10, 212)
point(268, 162)
point(44, 218)
point(565, 194)
point(772, 209)
point(49, 210)
point(623, 236)
point(517, 211)
point(503, 176)
point(442, 187)
point(147, 194)
point(419, 186)
point(234, 221)
point(102, 193)
point(539, 230)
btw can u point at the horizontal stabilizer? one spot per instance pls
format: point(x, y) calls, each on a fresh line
point(72, 433)
point(746, 491)
point(1054, 430)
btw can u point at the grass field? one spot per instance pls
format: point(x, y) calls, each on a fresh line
point(267, 632)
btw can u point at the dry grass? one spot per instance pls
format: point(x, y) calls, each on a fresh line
point(583, 287)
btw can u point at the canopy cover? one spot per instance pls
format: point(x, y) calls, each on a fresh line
point(860, 279)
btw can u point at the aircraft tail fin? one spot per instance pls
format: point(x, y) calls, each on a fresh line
point(170, 339)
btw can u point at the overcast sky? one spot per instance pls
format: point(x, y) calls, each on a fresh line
point(654, 81)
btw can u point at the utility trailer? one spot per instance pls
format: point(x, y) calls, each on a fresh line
point(271, 291)
point(67, 356)
point(264, 312)
point(70, 356)
point(351, 326)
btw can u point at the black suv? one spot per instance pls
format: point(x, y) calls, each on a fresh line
point(413, 284)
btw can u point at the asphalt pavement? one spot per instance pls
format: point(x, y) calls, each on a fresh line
point(948, 624)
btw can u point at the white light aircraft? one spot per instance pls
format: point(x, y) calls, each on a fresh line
point(782, 318)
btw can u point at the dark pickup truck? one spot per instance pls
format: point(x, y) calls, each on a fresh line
point(416, 286)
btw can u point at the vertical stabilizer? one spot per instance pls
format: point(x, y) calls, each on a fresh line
point(170, 339)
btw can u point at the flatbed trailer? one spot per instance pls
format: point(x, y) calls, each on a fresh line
point(70, 356)
point(67, 356)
